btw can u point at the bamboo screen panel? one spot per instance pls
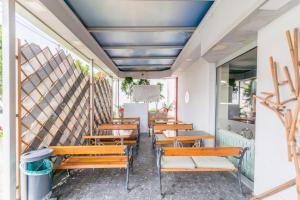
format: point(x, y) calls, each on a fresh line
point(55, 99)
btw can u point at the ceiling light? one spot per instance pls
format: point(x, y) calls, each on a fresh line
point(188, 59)
point(274, 4)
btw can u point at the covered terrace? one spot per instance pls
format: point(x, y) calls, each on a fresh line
point(152, 99)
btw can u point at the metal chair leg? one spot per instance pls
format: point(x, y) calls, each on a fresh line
point(160, 185)
point(240, 182)
point(136, 150)
point(127, 177)
point(153, 141)
point(131, 165)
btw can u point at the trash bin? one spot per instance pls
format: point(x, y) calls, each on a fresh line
point(36, 174)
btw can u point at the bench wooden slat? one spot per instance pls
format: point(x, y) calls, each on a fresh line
point(205, 151)
point(96, 159)
point(197, 169)
point(161, 127)
point(118, 142)
point(108, 136)
point(81, 150)
point(126, 118)
point(165, 142)
point(89, 166)
point(118, 127)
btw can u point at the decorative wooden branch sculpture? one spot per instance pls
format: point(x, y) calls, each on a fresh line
point(287, 110)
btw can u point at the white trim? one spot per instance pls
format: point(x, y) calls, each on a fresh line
point(239, 52)
point(142, 47)
point(9, 98)
point(91, 66)
point(141, 29)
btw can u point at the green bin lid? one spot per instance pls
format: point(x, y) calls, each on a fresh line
point(36, 155)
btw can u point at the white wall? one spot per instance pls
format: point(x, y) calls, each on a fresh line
point(271, 164)
point(199, 80)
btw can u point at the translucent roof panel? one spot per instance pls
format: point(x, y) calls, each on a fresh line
point(144, 61)
point(141, 25)
point(142, 52)
point(141, 38)
point(139, 13)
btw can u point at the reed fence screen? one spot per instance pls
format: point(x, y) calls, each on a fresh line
point(55, 99)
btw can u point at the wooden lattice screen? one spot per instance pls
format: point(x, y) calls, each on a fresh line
point(103, 102)
point(55, 97)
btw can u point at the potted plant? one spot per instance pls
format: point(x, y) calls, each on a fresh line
point(167, 107)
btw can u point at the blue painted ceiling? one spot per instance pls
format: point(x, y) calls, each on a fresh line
point(151, 50)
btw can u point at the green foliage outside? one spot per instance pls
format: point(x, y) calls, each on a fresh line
point(128, 83)
point(84, 68)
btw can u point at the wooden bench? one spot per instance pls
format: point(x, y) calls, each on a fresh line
point(209, 159)
point(87, 157)
point(152, 119)
point(128, 126)
point(157, 133)
point(127, 120)
point(118, 126)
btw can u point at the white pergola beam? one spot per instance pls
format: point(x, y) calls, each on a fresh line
point(139, 47)
point(144, 58)
point(141, 66)
point(9, 99)
point(141, 29)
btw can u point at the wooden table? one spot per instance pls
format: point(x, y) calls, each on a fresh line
point(132, 120)
point(196, 135)
point(167, 122)
point(112, 134)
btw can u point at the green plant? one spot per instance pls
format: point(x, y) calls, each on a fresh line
point(84, 68)
point(143, 82)
point(128, 83)
point(126, 86)
point(232, 83)
point(161, 85)
point(167, 107)
point(248, 92)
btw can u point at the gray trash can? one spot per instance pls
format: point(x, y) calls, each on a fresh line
point(36, 174)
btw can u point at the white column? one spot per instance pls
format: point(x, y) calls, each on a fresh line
point(9, 99)
point(91, 97)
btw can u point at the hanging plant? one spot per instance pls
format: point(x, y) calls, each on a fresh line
point(126, 86)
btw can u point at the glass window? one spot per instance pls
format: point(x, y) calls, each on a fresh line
point(235, 106)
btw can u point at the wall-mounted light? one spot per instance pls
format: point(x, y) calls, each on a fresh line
point(187, 97)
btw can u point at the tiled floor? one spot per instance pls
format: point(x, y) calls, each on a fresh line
point(144, 185)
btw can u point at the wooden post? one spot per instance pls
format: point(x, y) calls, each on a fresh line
point(275, 190)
